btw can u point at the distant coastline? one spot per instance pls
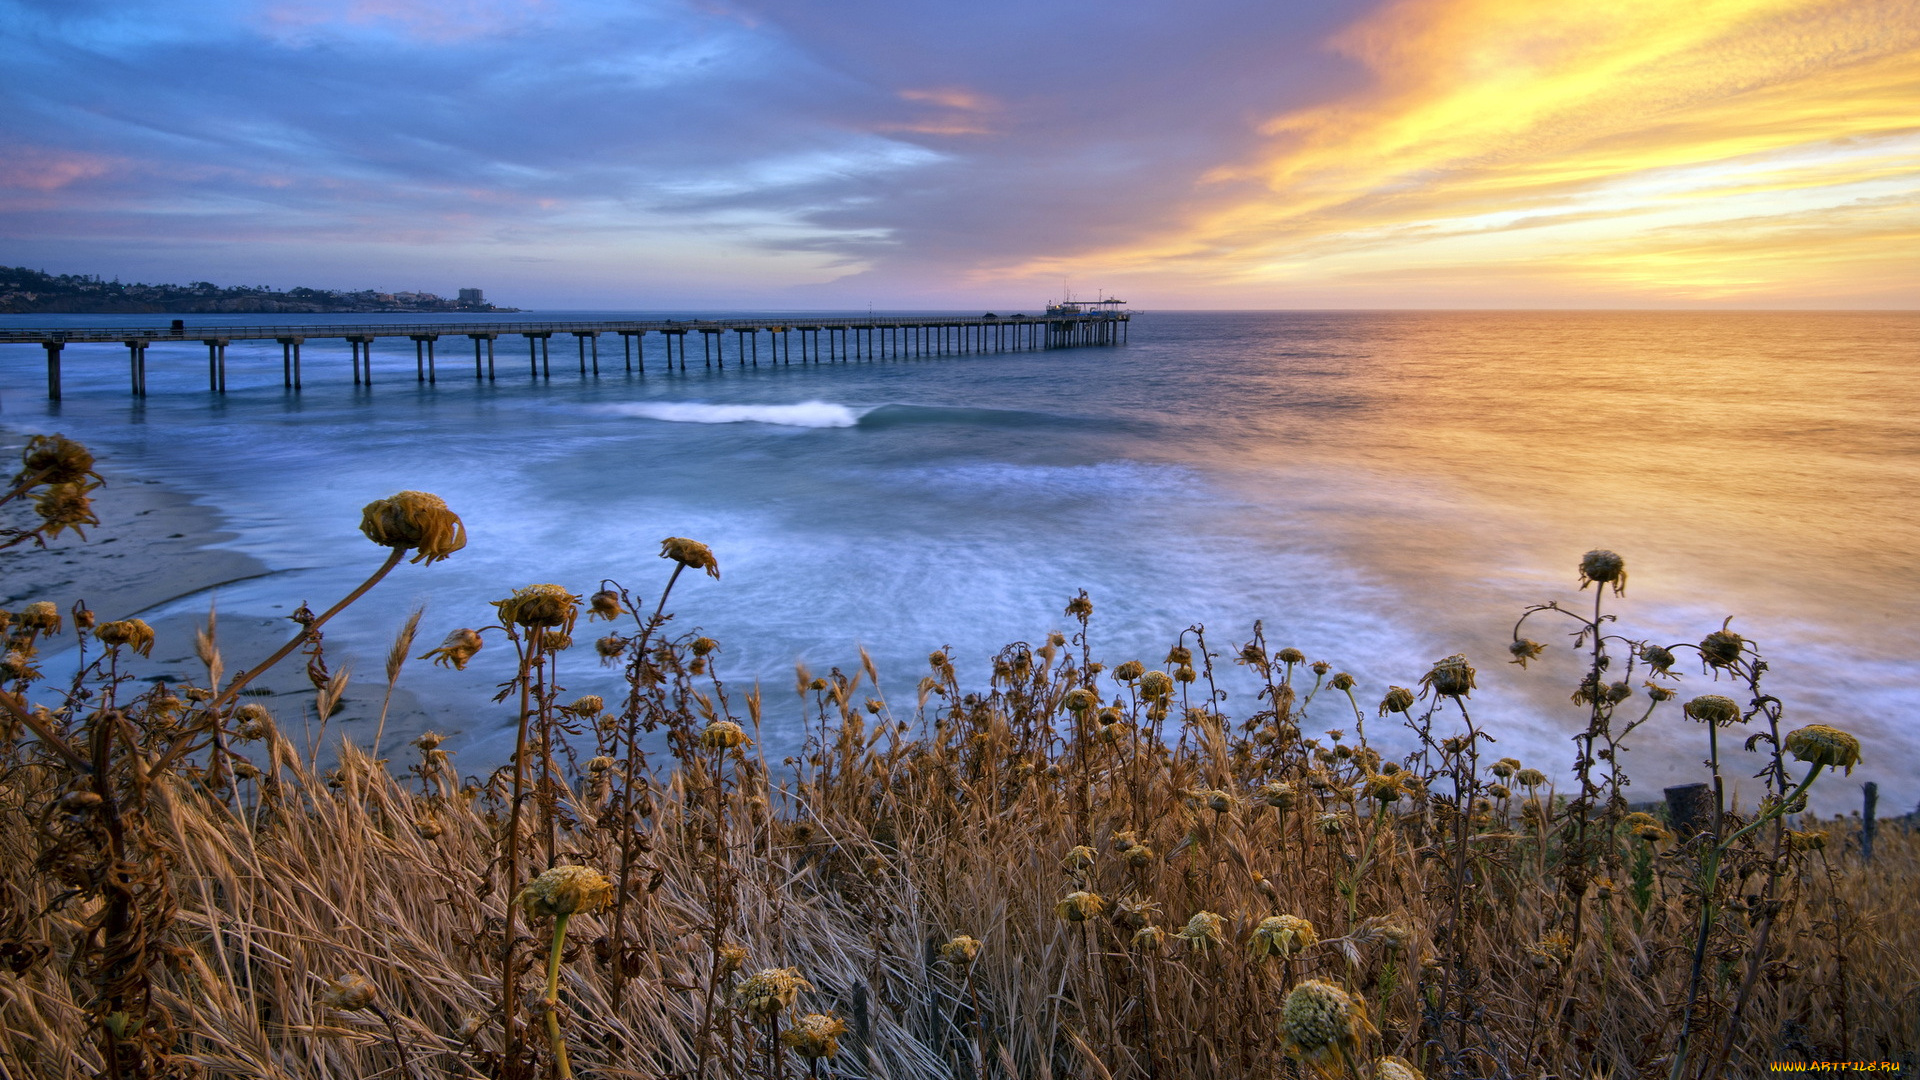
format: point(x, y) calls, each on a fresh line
point(31, 292)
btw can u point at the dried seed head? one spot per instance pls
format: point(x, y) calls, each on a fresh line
point(1149, 938)
point(67, 506)
point(604, 604)
point(557, 641)
point(1291, 655)
point(1080, 700)
point(1320, 1021)
point(1204, 932)
point(131, 633)
point(723, 735)
point(600, 764)
point(1659, 693)
point(1399, 699)
point(1555, 948)
point(1722, 647)
point(1080, 607)
point(54, 459)
point(1818, 744)
point(1179, 654)
point(1129, 671)
point(588, 706)
point(1394, 936)
point(540, 607)
point(41, 615)
point(1499, 791)
point(1341, 681)
point(1185, 674)
point(1078, 858)
point(1278, 794)
point(428, 827)
point(348, 993)
point(1652, 834)
point(1382, 788)
point(566, 890)
point(1139, 856)
point(960, 951)
point(1451, 677)
point(1505, 767)
point(1155, 685)
point(1604, 567)
point(1618, 692)
point(762, 996)
point(253, 722)
point(456, 650)
point(429, 741)
point(938, 661)
point(691, 554)
point(1810, 840)
point(1530, 777)
point(1657, 657)
point(1524, 650)
point(414, 519)
point(1281, 936)
point(815, 1035)
point(1080, 906)
point(1212, 798)
point(1330, 823)
point(1713, 709)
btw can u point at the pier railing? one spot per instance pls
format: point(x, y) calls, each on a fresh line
point(832, 340)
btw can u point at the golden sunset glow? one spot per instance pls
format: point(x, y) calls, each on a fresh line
point(1760, 151)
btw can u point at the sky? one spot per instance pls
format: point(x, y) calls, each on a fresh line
point(711, 154)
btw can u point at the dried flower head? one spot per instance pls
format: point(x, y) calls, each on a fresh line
point(1322, 1022)
point(566, 891)
point(1818, 744)
point(1281, 936)
point(960, 950)
point(1129, 671)
point(131, 633)
point(1398, 700)
point(1652, 834)
point(1079, 857)
point(1278, 794)
point(723, 735)
point(691, 554)
point(1204, 932)
point(1531, 778)
point(67, 506)
point(1722, 648)
point(604, 604)
point(610, 648)
point(1080, 700)
point(456, 650)
point(1810, 840)
point(1382, 788)
point(414, 519)
point(1524, 649)
point(1604, 567)
point(41, 615)
point(428, 827)
point(253, 721)
point(539, 607)
point(1506, 767)
point(348, 993)
point(1555, 948)
point(1179, 654)
point(54, 459)
point(1080, 906)
point(1139, 856)
point(1341, 681)
point(1291, 655)
point(764, 995)
point(1080, 607)
point(1451, 677)
point(1713, 709)
point(1212, 798)
point(732, 957)
point(815, 1035)
point(1149, 938)
point(1658, 657)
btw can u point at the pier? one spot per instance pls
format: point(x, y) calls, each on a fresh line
point(820, 340)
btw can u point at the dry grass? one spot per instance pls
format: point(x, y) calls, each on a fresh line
point(181, 893)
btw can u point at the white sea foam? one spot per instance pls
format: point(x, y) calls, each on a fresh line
point(806, 414)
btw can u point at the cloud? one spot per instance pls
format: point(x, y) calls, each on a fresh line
point(1635, 151)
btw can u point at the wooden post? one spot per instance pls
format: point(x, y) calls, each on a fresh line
point(136, 366)
point(53, 368)
point(1869, 821)
point(1689, 808)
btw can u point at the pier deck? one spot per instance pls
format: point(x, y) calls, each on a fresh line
point(822, 339)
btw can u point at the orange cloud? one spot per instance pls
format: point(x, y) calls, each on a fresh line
point(1626, 151)
point(28, 168)
point(964, 112)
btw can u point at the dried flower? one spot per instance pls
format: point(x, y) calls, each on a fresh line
point(1722, 648)
point(1399, 699)
point(1129, 671)
point(1524, 650)
point(724, 735)
point(1658, 657)
point(1658, 692)
point(1080, 607)
point(1080, 906)
point(1713, 709)
point(1818, 744)
point(1149, 938)
point(131, 633)
point(961, 950)
point(1179, 654)
point(1810, 840)
point(1531, 778)
point(1604, 567)
point(1383, 788)
point(41, 615)
point(1505, 767)
point(691, 554)
point(414, 519)
point(1451, 677)
point(815, 1035)
point(1278, 794)
point(732, 957)
point(254, 722)
point(456, 650)
point(1291, 655)
point(1320, 1021)
point(566, 891)
point(539, 607)
point(1139, 856)
point(1341, 681)
point(348, 993)
point(604, 604)
point(764, 995)
point(1079, 857)
point(610, 648)
point(1281, 936)
point(428, 827)
point(1204, 932)
point(1392, 1067)
point(1080, 700)
point(54, 459)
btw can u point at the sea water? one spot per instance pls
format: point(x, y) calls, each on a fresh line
point(1381, 488)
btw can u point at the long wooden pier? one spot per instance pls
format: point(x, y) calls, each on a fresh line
point(822, 340)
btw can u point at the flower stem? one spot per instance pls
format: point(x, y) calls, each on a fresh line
point(553, 996)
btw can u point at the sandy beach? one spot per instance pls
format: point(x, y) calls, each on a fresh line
point(155, 545)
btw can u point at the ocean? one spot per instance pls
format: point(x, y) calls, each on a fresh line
point(1381, 488)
